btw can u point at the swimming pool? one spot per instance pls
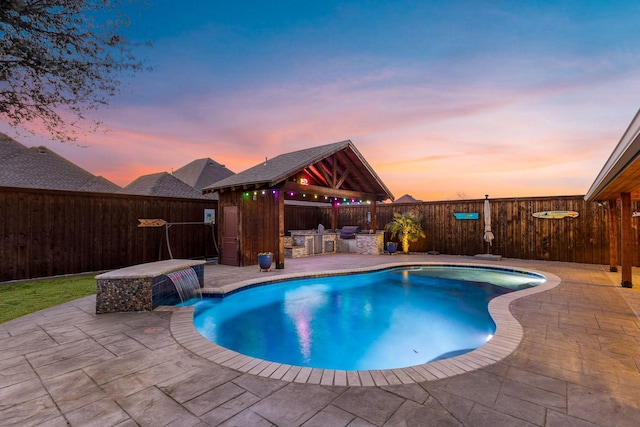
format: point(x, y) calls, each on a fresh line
point(385, 319)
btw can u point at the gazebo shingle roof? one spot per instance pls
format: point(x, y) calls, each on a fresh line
point(356, 174)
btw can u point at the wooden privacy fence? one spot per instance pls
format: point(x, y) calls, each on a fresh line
point(49, 232)
point(518, 234)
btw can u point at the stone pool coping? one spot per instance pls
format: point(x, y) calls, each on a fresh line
point(506, 339)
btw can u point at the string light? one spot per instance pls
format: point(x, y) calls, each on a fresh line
point(336, 200)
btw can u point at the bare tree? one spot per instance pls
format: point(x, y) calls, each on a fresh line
point(59, 59)
point(462, 195)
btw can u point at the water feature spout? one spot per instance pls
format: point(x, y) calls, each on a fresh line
point(186, 283)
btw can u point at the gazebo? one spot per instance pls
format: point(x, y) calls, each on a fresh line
point(252, 202)
point(619, 179)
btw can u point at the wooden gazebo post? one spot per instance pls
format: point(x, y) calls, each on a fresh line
point(627, 255)
point(614, 232)
point(334, 215)
point(280, 254)
point(374, 221)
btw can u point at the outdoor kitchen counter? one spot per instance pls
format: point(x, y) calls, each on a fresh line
point(329, 242)
point(370, 243)
point(314, 243)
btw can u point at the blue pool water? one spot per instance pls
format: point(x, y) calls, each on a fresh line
point(379, 320)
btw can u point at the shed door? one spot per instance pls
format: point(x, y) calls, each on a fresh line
point(230, 236)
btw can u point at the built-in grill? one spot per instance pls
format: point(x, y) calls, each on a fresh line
point(349, 231)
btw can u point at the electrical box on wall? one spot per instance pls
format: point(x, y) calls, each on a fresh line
point(210, 216)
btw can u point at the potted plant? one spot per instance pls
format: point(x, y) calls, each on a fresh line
point(407, 227)
point(265, 259)
point(392, 247)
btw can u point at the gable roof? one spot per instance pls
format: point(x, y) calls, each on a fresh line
point(621, 172)
point(9, 147)
point(162, 184)
point(202, 173)
point(407, 198)
point(338, 166)
point(39, 167)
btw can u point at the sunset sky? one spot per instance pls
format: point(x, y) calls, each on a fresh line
point(445, 99)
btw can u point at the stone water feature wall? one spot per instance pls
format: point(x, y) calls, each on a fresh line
point(142, 287)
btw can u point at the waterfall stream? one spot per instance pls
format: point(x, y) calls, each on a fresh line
point(186, 283)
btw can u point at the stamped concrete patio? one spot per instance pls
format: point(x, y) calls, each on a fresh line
point(577, 364)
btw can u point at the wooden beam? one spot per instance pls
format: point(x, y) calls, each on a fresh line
point(614, 233)
point(334, 170)
point(318, 174)
point(324, 191)
point(344, 176)
point(324, 170)
point(626, 249)
point(355, 171)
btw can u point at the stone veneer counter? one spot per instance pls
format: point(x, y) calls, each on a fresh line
point(370, 244)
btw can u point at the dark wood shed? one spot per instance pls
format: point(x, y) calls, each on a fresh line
point(252, 202)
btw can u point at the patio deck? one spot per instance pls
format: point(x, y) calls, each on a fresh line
point(577, 364)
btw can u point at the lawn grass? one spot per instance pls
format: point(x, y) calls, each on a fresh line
point(23, 298)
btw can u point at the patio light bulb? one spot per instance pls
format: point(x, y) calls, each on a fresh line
point(263, 192)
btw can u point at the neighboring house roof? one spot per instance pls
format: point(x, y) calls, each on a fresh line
point(339, 165)
point(99, 184)
point(202, 173)
point(621, 172)
point(39, 167)
point(9, 147)
point(407, 198)
point(162, 184)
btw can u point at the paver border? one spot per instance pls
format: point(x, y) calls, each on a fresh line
point(506, 339)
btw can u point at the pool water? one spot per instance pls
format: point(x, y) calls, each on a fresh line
point(378, 320)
